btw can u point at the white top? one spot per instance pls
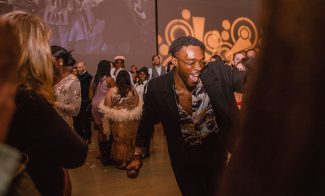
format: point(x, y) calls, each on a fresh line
point(141, 88)
point(158, 68)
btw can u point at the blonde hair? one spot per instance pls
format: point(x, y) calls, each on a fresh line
point(35, 71)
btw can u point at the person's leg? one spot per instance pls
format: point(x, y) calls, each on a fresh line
point(200, 169)
point(77, 124)
point(87, 127)
point(211, 174)
point(105, 146)
point(189, 182)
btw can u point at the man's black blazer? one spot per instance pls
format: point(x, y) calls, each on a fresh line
point(219, 80)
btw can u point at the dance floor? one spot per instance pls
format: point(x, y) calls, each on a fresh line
point(156, 176)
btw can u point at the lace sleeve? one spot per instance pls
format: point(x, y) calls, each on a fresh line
point(73, 106)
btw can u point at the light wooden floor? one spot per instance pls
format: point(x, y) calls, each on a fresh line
point(156, 176)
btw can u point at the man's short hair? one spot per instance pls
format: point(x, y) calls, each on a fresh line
point(154, 56)
point(180, 42)
point(251, 49)
point(216, 57)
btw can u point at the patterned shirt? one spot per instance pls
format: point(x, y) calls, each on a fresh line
point(67, 96)
point(202, 122)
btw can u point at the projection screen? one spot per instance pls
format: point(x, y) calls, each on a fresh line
point(97, 29)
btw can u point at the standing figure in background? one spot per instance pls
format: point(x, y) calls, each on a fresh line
point(238, 57)
point(100, 84)
point(118, 65)
point(281, 149)
point(67, 93)
point(157, 69)
point(141, 85)
point(122, 110)
point(141, 88)
point(251, 53)
point(82, 122)
point(37, 129)
point(119, 62)
point(216, 57)
point(170, 66)
point(134, 72)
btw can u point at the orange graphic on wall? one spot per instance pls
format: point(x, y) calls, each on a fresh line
point(241, 34)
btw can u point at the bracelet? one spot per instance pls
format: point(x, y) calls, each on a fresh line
point(138, 152)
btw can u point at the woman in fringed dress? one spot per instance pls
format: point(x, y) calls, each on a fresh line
point(122, 109)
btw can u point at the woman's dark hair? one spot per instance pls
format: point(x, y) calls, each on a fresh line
point(144, 70)
point(60, 52)
point(123, 83)
point(103, 69)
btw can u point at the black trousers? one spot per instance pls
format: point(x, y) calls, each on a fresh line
point(82, 122)
point(199, 169)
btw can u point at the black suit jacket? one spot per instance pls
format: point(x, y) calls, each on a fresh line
point(85, 80)
point(219, 80)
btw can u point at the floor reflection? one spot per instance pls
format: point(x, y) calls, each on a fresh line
point(156, 176)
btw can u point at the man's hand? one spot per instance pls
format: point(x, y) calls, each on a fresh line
point(133, 168)
point(135, 164)
point(228, 158)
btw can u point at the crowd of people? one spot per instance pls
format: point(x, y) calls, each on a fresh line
point(48, 100)
point(57, 98)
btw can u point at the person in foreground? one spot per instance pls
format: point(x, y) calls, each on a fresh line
point(36, 128)
point(281, 146)
point(196, 106)
point(9, 60)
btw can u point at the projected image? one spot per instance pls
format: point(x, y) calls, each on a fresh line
point(95, 26)
point(130, 25)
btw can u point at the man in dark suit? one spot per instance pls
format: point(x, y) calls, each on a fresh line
point(82, 122)
point(196, 106)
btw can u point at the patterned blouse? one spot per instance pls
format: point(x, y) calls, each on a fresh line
point(67, 96)
point(202, 122)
